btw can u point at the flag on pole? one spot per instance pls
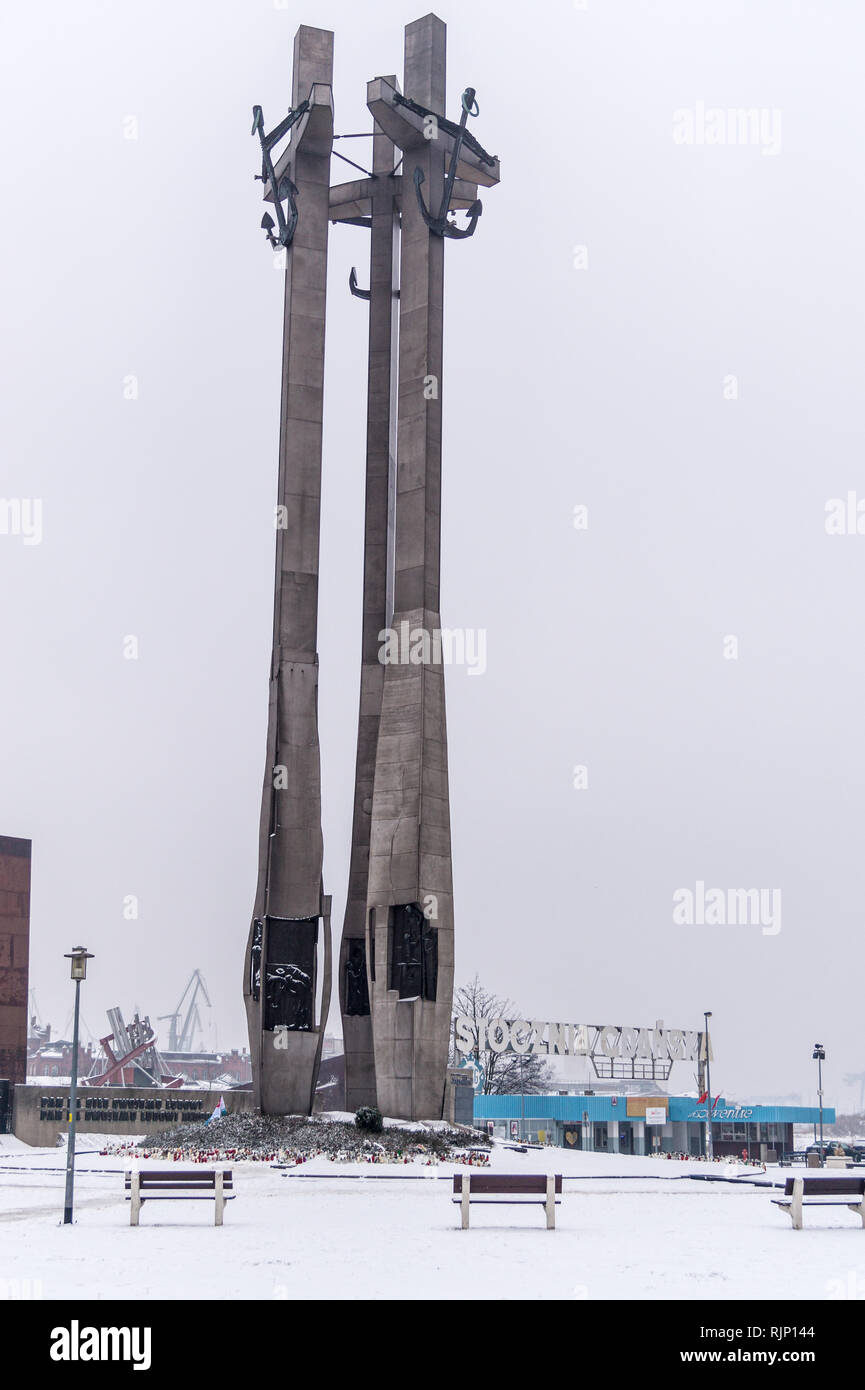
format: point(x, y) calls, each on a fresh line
point(703, 1098)
point(219, 1110)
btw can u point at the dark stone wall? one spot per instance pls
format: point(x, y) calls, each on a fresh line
point(14, 956)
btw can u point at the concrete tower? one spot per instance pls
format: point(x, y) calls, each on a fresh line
point(408, 927)
point(378, 207)
point(287, 967)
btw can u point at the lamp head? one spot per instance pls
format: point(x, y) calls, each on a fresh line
point(78, 956)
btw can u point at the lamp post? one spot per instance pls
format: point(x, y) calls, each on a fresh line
point(819, 1056)
point(78, 956)
point(522, 1104)
point(710, 1152)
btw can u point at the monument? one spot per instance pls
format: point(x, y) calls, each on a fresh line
point(395, 968)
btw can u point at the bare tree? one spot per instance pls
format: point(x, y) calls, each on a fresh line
point(504, 1073)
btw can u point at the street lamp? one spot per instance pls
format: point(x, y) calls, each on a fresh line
point(522, 1104)
point(710, 1152)
point(819, 1056)
point(78, 957)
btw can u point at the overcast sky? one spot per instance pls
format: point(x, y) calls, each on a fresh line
point(693, 377)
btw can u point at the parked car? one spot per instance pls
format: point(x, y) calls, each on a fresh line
point(834, 1148)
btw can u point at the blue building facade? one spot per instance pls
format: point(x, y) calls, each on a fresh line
point(647, 1124)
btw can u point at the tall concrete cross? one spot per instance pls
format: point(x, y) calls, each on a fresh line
point(408, 918)
point(286, 988)
point(373, 203)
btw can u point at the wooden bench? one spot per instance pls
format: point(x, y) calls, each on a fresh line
point(508, 1189)
point(821, 1192)
point(178, 1184)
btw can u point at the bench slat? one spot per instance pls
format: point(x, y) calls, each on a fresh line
point(182, 1173)
point(168, 1182)
point(180, 1197)
point(168, 1187)
point(176, 1187)
point(505, 1202)
point(830, 1186)
point(781, 1202)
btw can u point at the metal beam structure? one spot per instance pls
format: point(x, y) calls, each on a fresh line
point(286, 988)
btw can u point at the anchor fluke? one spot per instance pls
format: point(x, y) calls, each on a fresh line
point(268, 225)
point(445, 227)
point(353, 286)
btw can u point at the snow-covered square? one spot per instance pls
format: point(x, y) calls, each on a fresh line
point(627, 1228)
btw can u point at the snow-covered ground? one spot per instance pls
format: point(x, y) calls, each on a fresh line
point(627, 1228)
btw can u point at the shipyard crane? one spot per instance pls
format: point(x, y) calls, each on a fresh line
point(181, 1031)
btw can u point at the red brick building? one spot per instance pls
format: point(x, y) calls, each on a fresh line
point(210, 1066)
point(55, 1059)
point(14, 956)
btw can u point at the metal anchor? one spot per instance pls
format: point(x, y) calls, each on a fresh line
point(353, 286)
point(442, 225)
point(358, 292)
point(284, 190)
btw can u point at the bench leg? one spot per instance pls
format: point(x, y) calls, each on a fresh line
point(465, 1207)
point(550, 1203)
point(219, 1204)
point(859, 1208)
point(135, 1199)
point(796, 1204)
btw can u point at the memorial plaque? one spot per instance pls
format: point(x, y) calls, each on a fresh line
point(356, 984)
point(290, 973)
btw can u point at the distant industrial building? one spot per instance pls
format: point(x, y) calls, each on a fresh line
point(234, 1068)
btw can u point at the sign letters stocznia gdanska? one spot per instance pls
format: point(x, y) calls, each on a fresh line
point(576, 1039)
